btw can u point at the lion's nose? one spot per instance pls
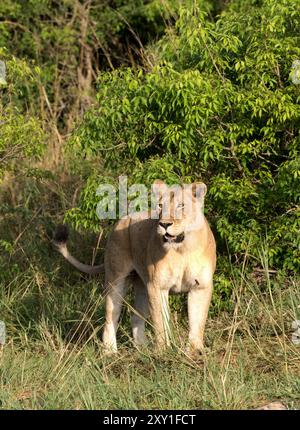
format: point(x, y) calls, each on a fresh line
point(165, 225)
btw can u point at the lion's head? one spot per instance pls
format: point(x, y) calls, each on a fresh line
point(180, 211)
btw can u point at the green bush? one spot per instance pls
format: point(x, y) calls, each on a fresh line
point(72, 40)
point(218, 105)
point(21, 133)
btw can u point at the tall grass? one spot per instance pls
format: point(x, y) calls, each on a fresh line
point(54, 358)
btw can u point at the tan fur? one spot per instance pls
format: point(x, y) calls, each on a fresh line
point(147, 253)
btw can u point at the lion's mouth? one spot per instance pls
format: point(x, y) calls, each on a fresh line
point(173, 239)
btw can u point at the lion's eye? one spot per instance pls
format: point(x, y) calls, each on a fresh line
point(180, 206)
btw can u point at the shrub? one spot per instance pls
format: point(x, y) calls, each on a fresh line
point(21, 133)
point(218, 105)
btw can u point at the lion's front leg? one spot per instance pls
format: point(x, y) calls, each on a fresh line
point(160, 314)
point(198, 305)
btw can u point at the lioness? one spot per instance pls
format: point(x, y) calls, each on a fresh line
point(174, 253)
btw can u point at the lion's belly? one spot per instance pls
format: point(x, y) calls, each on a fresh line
point(185, 285)
point(180, 288)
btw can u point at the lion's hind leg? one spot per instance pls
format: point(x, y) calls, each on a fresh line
point(141, 311)
point(116, 289)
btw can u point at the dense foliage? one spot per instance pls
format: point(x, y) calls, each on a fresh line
point(50, 54)
point(71, 40)
point(21, 133)
point(181, 90)
point(218, 104)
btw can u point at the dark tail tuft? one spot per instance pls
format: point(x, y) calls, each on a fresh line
point(61, 234)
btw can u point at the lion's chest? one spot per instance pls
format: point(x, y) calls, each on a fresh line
point(181, 275)
point(184, 282)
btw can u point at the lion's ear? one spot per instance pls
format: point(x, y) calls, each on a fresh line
point(199, 190)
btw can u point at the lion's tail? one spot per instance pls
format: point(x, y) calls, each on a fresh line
point(60, 239)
